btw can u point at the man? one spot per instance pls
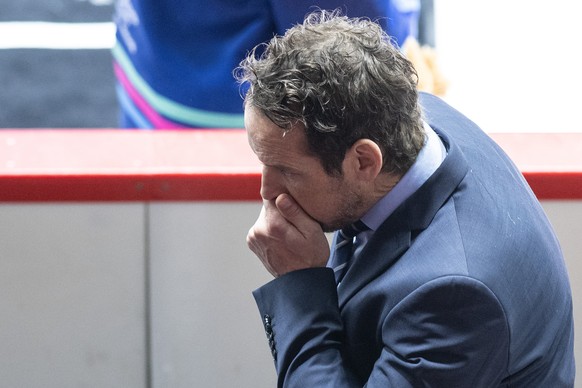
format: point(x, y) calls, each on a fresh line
point(455, 277)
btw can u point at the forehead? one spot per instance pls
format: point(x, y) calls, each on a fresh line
point(269, 141)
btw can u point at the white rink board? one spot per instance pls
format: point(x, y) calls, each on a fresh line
point(75, 296)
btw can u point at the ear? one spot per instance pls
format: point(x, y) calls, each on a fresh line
point(364, 159)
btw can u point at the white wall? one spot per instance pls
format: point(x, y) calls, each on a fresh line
point(566, 217)
point(206, 330)
point(71, 296)
point(74, 296)
point(513, 66)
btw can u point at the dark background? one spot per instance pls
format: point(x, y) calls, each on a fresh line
point(47, 88)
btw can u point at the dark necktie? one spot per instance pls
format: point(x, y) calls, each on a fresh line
point(344, 248)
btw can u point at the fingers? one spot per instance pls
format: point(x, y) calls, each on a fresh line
point(294, 214)
point(285, 238)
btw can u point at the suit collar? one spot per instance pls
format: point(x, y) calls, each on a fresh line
point(393, 237)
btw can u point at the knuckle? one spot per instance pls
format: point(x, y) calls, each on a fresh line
point(277, 229)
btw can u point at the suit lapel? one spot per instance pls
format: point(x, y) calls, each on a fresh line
point(376, 257)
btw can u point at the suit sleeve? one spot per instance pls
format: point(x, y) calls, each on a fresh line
point(304, 329)
point(449, 332)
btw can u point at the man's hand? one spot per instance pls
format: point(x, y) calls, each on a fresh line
point(285, 238)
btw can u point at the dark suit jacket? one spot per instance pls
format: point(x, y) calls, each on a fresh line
point(464, 285)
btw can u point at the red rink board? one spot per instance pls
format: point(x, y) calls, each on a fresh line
point(208, 165)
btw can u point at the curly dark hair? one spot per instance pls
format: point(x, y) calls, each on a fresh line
point(344, 80)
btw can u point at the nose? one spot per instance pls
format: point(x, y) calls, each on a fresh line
point(271, 185)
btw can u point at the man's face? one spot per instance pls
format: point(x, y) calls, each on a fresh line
point(289, 168)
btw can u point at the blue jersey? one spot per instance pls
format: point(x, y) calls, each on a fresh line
point(174, 59)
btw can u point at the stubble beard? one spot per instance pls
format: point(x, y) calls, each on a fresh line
point(349, 212)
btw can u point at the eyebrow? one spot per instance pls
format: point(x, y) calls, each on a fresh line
point(280, 166)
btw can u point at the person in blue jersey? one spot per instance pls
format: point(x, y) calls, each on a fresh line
point(173, 59)
point(444, 270)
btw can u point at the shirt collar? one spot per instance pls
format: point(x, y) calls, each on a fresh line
point(428, 160)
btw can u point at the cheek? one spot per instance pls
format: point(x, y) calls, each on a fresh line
point(320, 201)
